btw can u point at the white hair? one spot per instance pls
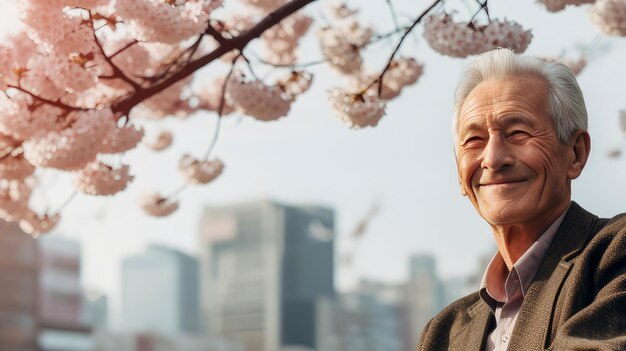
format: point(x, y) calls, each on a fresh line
point(566, 105)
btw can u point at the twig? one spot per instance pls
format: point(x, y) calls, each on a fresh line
point(249, 66)
point(379, 80)
point(220, 110)
point(117, 72)
point(483, 7)
point(394, 17)
point(123, 49)
point(56, 103)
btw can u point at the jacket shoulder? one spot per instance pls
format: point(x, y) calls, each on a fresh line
point(447, 323)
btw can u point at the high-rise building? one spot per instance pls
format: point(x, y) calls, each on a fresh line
point(263, 266)
point(425, 295)
point(18, 295)
point(160, 292)
point(61, 326)
point(369, 318)
point(95, 309)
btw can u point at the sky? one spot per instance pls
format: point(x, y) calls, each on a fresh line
point(406, 163)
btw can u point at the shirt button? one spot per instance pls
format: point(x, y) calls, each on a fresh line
point(505, 338)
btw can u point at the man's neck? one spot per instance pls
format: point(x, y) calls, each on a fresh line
point(513, 240)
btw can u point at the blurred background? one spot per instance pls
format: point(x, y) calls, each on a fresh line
point(316, 237)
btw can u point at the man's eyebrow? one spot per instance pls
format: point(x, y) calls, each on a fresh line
point(472, 126)
point(513, 119)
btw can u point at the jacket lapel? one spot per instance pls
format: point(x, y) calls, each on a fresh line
point(537, 311)
point(472, 335)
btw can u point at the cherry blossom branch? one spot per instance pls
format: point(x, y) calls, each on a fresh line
point(483, 7)
point(117, 72)
point(124, 106)
point(379, 80)
point(393, 14)
point(220, 109)
point(127, 46)
point(56, 103)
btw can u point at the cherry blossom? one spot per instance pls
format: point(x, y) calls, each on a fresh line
point(73, 147)
point(163, 140)
point(210, 96)
point(98, 178)
point(200, 171)
point(558, 5)
point(35, 225)
point(14, 196)
point(121, 139)
point(21, 120)
point(357, 110)
point(296, 83)
point(15, 167)
point(160, 21)
point(255, 99)
point(157, 206)
point(461, 39)
point(609, 16)
point(281, 40)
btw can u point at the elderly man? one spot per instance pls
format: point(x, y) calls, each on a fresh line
point(558, 280)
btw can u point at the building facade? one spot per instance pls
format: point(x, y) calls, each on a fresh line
point(263, 266)
point(160, 292)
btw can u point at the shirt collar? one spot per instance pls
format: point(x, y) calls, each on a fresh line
point(525, 268)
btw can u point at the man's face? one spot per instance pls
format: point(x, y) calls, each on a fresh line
point(511, 164)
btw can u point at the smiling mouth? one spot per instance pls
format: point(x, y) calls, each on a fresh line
point(509, 182)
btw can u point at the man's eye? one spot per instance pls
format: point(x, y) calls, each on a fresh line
point(518, 133)
point(472, 140)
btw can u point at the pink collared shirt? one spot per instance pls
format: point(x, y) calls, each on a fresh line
point(504, 291)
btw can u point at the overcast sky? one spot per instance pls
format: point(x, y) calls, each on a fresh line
point(310, 157)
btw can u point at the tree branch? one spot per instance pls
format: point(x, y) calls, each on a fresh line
point(238, 42)
point(379, 80)
point(57, 103)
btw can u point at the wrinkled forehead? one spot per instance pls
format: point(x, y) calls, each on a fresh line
point(525, 94)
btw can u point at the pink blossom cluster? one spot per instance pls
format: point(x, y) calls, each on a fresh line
point(161, 21)
point(210, 96)
point(281, 41)
point(338, 10)
point(255, 99)
point(558, 5)
point(158, 206)
point(402, 72)
point(98, 178)
point(199, 171)
point(73, 147)
point(15, 167)
point(462, 39)
point(357, 110)
point(162, 141)
point(263, 6)
point(121, 139)
point(296, 83)
point(35, 224)
point(14, 196)
point(341, 46)
point(609, 16)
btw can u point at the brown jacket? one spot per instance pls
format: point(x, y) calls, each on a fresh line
point(576, 301)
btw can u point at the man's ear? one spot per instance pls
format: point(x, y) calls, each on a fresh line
point(580, 147)
point(458, 174)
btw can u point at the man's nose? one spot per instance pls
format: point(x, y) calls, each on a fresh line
point(496, 154)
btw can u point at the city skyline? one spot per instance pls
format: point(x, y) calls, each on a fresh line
point(310, 157)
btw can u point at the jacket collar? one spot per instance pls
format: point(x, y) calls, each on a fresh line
point(568, 241)
point(535, 316)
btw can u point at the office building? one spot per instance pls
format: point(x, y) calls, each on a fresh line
point(264, 264)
